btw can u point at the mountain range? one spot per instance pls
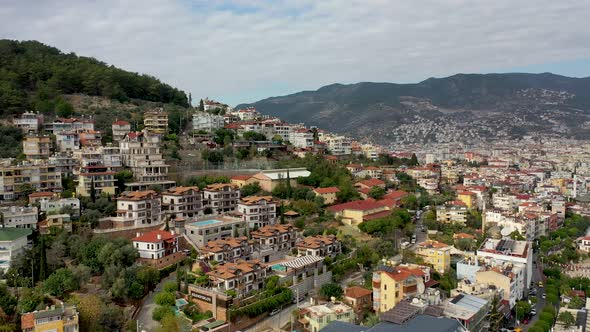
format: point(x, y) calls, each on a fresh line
point(458, 108)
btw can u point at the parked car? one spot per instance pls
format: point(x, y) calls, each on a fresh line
point(544, 296)
point(533, 312)
point(275, 311)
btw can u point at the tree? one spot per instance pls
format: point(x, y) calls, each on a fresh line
point(376, 192)
point(64, 109)
point(495, 316)
point(253, 136)
point(30, 299)
point(162, 311)
point(90, 308)
point(523, 308)
point(92, 191)
point(413, 160)
point(61, 282)
point(123, 177)
point(250, 189)
point(566, 318)
point(201, 106)
point(331, 290)
point(165, 298)
point(410, 202)
point(7, 301)
point(42, 259)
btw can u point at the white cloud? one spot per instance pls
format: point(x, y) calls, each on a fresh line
point(245, 50)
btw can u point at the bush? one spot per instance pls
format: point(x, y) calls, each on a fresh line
point(331, 290)
point(165, 299)
point(61, 282)
point(170, 287)
point(162, 311)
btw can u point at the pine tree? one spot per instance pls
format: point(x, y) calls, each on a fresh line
point(288, 185)
point(414, 160)
point(282, 210)
point(42, 259)
point(178, 276)
point(92, 191)
point(201, 106)
point(185, 290)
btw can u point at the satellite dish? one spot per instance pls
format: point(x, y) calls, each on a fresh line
point(506, 231)
point(420, 288)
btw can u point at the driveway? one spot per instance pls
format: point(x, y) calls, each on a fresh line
point(146, 323)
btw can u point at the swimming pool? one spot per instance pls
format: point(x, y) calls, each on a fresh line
point(278, 267)
point(206, 222)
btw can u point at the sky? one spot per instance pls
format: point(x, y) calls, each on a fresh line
point(241, 51)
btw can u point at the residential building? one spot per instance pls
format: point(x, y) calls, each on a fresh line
point(51, 206)
point(301, 138)
point(469, 310)
point(270, 179)
point(39, 196)
point(37, 147)
point(219, 227)
point(258, 211)
point(240, 180)
point(90, 138)
point(156, 121)
point(483, 291)
point(511, 251)
point(69, 125)
point(28, 122)
point(392, 284)
point(99, 177)
point(272, 242)
point(468, 197)
point(507, 277)
point(141, 152)
point(12, 243)
point(221, 197)
point(435, 253)
point(183, 202)
point(62, 318)
point(337, 145)
point(56, 221)
point(329, 194)
point(584, 243)
point(359, 298)
point(66, 141)
point(138, 209)
point(319, 245)
point(19, 216)
point(155, 244)
point(355, 212)
point(120, 128)
point(452, 213)
point(17, 178)
point(207, 121)
point(405, 321)
point(316, 317)
point(227, 250)
point(240, 277)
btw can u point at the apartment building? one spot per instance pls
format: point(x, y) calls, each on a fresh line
point(219, 227)
point(65, 163)
point(183, 202)
point(336, 144)
point(301, 138)
point(317, 317)
point(319, 245)
point(155, 244)
point(138, 208)
point(60, 319)
point(37, 147)
point(221, 197)
point(54, 206)
point(140, 151)
point(392, 284)
point(355, 212)
point(329, 194)
point(240, 277)
point(66, 141)
point(17, 178)
point(435, 253)
point(273, 241)
point(156, 121)
point(469, 310)
point(207, 122)
point(28, 122)
point(452, 213)
point(511, 251)
point(258, 211)
point(90, 138)
point(99, 177)
point(55, 221)
point(227, 250)
point(20, 216)
point(120, 128)
point(69, 125)
point(507, 277)
point(12, 243)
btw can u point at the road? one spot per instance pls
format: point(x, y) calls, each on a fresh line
point(537, 276)
point(146, 323)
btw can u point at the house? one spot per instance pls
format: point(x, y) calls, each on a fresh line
point(270, 179)
point(469, 310)
point(90, 138)
point(120, 128)
point(240, 277)
point(20, 216)
point(358, 298)
point(28, 122)
point(319, 245)
point(301, 138)
point(202, 231)
point(71, 204)
point(452, 213)
point(329, 194)
point(37, 147)
point(511, 251)
point(156, 121)
point(392, 284)
point(365, 186)
point(355, 212)
point(39, 196)
point(435, 253)
point(273, 241)
point(584, 243)
point(39, 175)
point(316, 317)
point(62, 318)
point(138, 209)
point(66, 141)
point(99, 178)
point(183, 202)
point(468, 197)
point(59, 221)
point(140, 151)
point(240, 180)
point(227, 250)
point(507, 277)
point(155, 244)
point(69, 125)
point(258, 211)
point(221, 197)
point(207, 121)
point(12, 242)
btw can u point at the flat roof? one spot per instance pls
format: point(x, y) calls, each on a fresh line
point(11, 234)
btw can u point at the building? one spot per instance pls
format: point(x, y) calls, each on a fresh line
point(355, 212)
point(55, 221)
point(316, 317)
point(452, 213)
point(59, 319)
point(239, 278)
point(508, 278)
point(138, 209)
point(319, 245)
point(50, 206)
point(12, 242)
point(220, 227)
point(584, 243)
point(511, 251)
point(270, 179)
point(99, 177)
point(405, 321)
point(69, 125)
point(392, 284)
point(468, 197)
point(17, 179)
point(156, 121)
point(272, 242)
point(435, 253)
point(221, 197)
point(66, 141)
point(258, 211)
point(469, 310)
point(358, 298)
point(227, 250)
point(120, 129)
point(155, 244)
point(28, 122)
point(37, 147)
point(240, 180)
point(329, 194)
point(301, 138)
point(183, 202)
point(207, 121)
point(141, 152)
point(20, 216)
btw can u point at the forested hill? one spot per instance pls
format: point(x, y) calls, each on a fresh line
point(34, 75)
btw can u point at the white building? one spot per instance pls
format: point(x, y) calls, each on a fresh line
point(258, 211)
point(338, 145)
point(12, 243)
point(29, 122)
point(220, 227)
point(55, 206)
point(301, 138)
point(207, 122)
point(221, 197)
point(120, 128)
point(511, 251)
point(67, 141)
point(183, 202)
point(139, 209)
point(20, 216)
point(155, 244)
point(141, 152)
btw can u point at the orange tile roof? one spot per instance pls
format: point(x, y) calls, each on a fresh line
point(317, 241)
point(137, 195)
point(370, 183)
point(356, 292)
point(152, 237)
point(229, 270)
point(271, 230)
point(252, 200)
point(241, 177)
point(180, 190)
point(218, 245)
point(433, 244)
point(359, 205)
point(328, 190)
point(27, 321)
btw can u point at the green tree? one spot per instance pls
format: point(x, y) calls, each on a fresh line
point(7, 301)
point(376, 192)
point(523, 308)
point(61, 282)
point(162, 311)
point(64, 109)
point(250, 189)
point(331, 290)
point(566, 318)
point(165, 298)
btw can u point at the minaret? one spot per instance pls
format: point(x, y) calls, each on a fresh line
point(483, 219)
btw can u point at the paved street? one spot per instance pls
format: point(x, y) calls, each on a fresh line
point(146, 323)
point(537, 276)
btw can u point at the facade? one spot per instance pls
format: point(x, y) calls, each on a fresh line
point(358, 298)
point(66, 141)
point(37, 147)
point(469, 310)
point(183, 202)
point(468, 197)
point(141, 153)
point(355, 212)
point(207, 122)
point(510, 251)
point(301, 138)
point(227, 250)
point(270, 179)
point(55, 206)
point(97, 176)
point(221, 197)
point(12, 242)
point(240, 277)
point(56, 221)
point(319, 316)
point(28, 122)
point(258, 211)
point(155, 244)
point(156, 121)
point(219, 227)
point(319, 245)
point(391, 285)
point(20, 217)
point(39, 175)
point(435, 253)
point(452, 214)
point(120, 128)
point(69, 125)
point(329, 194)
point(508, 278)
point(273, 241)
point(138, 209)
point(54, 319)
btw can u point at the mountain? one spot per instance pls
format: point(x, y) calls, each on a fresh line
point(35, 76)
point(462, 107)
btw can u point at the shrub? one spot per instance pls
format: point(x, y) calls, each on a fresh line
point(162, 311)
point(165, 299)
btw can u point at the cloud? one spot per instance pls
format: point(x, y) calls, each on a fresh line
point(240, 50)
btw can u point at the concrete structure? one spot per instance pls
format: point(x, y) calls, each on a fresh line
point(319, 245)
point(202, 231)
point(272, 242)
point(355, 212)
point(258, 211)
point(28, 122)
point(39, 175)
point(329, 194)
point(183, 202)
point(138, 208)
point(393, 284)
point(452, 213)
point(435, 253)
point(156, 121)
point(20, 216)
point(469, 310)
point(67, 141)
point(69, 125)
point(316, 317)
point(37, 147)
point(511, 251)
point(56, 221)
point(301, 138)
point(207, 122)
point(58, 319)
point(141, 153)
point(155, 244)
point(221, 197)
point(227, 250)
point(12, 243)
point(270, 179)
point(240, 277)
point(98, 176)
point(120, 128)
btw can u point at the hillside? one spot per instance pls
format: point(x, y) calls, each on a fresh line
point(463, 107)
point(34, 76)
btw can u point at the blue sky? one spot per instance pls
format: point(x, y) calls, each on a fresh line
point(245, 50)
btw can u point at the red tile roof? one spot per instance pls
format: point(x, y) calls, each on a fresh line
point(27, 321)
point(360, 205)
point(120, 123)
point(152, 237)
point(356, 292)
point(328, 190)
point(371, 183)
